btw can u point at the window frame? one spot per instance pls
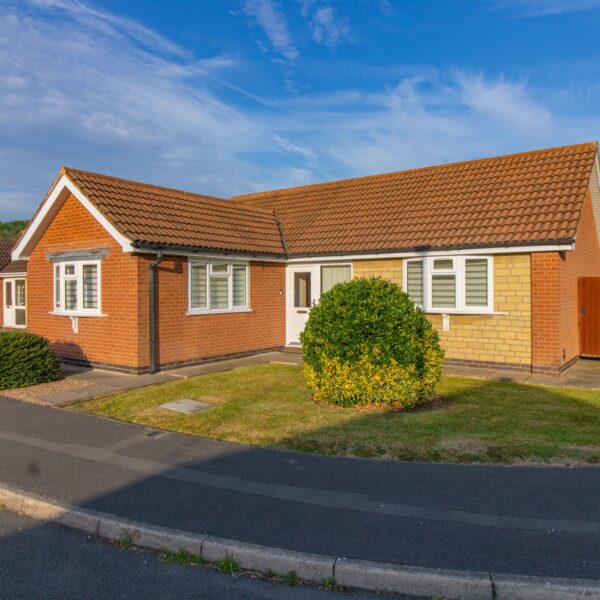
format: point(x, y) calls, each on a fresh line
point(58, 296)
point(208, 262)
point(347, 265)
point(453, 271)
point(459, 271)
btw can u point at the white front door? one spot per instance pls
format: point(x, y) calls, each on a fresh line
point(303, 290)
point(304, 286)
point(14, 303)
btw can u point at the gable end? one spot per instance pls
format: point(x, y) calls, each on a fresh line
point(49, 208)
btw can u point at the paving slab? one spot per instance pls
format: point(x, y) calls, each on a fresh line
point(186, 406)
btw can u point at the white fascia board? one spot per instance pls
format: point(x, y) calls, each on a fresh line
point(62, 185)
point(424, 253)
point(208, 256)
point(12, 275)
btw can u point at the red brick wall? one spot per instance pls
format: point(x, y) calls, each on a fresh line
point(121, 338)
point(555, 332)
point(113, 339)
point(183, 337)
point(583, 262)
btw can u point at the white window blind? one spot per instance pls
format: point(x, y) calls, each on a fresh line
point(443, 291)
point(77, 287)
point(90, 286)
point(239, 285)
point(219, 293)
point(457, 283)
point(198, 286)
point(476, 282)
point(70, 294)
point(414, 281)
point(217, 285)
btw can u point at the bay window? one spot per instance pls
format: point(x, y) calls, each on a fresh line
point(450, 284)
point(77, 288)
point(217, 286)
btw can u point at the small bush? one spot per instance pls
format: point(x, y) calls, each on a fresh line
point(26, 359)
point(367, 343)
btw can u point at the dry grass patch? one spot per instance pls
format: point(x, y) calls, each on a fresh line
point(474, 420)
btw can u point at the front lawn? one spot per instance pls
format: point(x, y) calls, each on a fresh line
point(474, 420)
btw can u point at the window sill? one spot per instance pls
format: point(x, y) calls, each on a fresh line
point(78, 315)
point(453, 311)
point(221, 311)
point(14, 326)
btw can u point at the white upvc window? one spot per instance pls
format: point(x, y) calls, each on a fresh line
point(217, 285)
point(450, 284)
point(77, 288)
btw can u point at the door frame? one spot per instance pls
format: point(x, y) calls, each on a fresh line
point(292, 313)
point(9, 310)
point(290, 310)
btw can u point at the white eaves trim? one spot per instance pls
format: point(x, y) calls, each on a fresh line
point(203, 255)
point(51, 205)
point(438, 252)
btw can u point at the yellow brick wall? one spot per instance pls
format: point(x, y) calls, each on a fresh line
point(501, 338)
point(389, 268)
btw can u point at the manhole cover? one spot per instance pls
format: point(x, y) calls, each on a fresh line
point(189, 407)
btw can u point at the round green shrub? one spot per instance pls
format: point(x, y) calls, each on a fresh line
point(367, 343)
point(26, 359)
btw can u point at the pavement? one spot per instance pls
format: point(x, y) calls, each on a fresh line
point(103, 383)
point(585, 374)
point(47, 561)
point(521, 520)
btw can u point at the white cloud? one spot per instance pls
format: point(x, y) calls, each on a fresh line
point(89, 94)
point(273, 22)
point(503, 101)
point(112, 24)
point(327, 28)
point(542, 8)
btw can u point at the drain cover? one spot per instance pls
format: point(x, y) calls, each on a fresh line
point(189, 407)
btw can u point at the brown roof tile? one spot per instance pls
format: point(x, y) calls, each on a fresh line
point(6, 245)
point(15, 266)
point(150, 214)
point(528, 198)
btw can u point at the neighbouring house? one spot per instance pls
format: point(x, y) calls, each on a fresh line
point(502, 254)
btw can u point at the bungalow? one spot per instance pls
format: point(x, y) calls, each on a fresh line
point(502, 254)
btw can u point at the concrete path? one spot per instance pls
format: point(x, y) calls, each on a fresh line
point(532, 521)
point(585, 373)
point(98, 383)
point(45, 560)
point(103, 383)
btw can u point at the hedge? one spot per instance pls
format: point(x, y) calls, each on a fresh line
point(26, 359)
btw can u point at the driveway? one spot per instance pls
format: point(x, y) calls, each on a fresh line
point(539, 521)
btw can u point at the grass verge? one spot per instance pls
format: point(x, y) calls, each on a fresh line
point(474, 420)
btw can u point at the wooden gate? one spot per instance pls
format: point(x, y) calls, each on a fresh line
point(589, 316)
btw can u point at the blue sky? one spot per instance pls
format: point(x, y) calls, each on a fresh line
point(233, 96)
